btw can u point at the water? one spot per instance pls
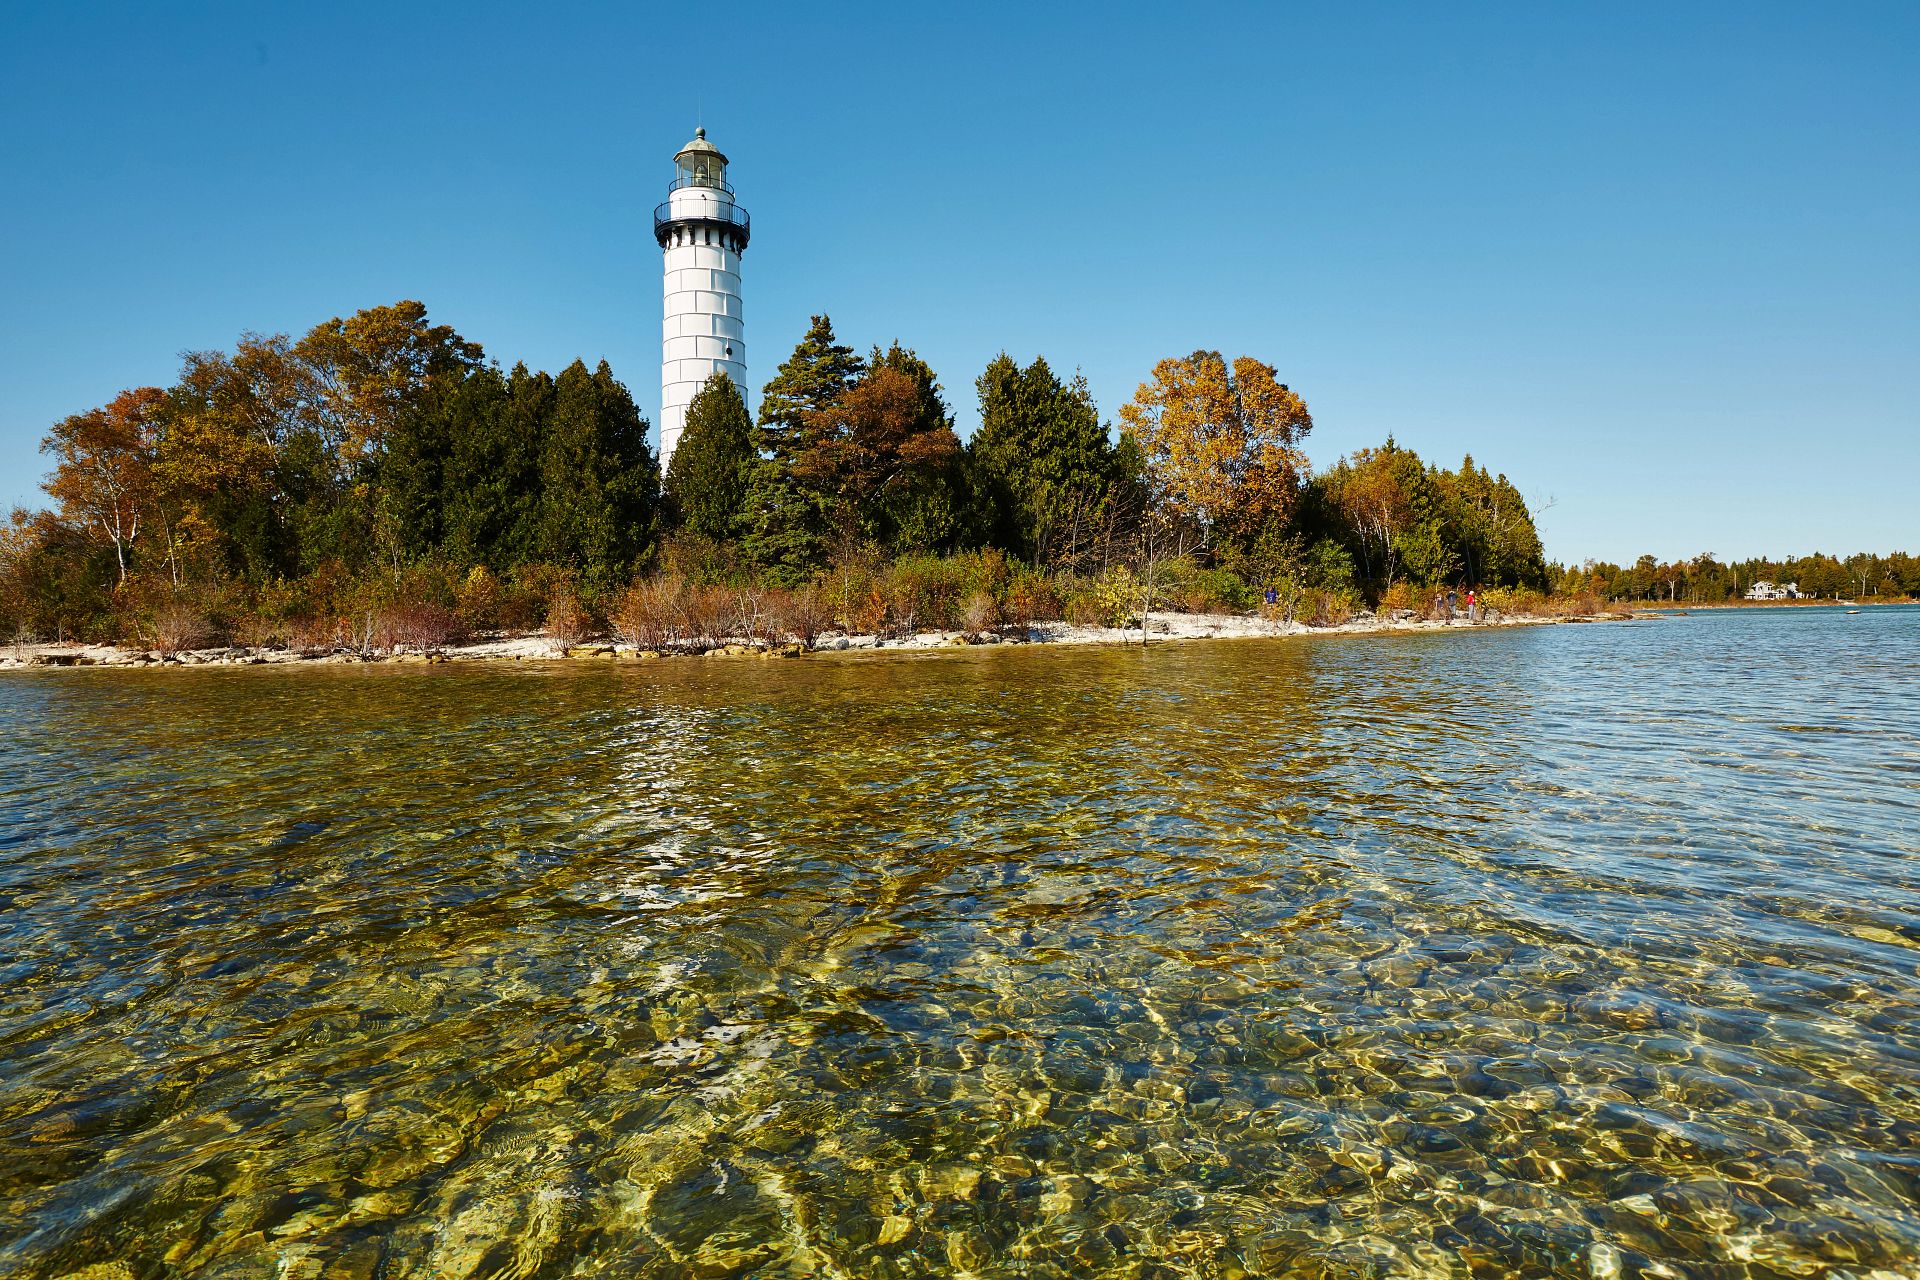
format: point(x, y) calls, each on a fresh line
point(1569, 951)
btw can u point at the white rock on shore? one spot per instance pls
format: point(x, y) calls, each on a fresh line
point(1162, 627)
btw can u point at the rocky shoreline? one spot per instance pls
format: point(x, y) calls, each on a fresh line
point(540, 647)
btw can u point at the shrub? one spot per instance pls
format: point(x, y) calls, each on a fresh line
point(479, 599)
point(925, 592)
point(1328, 608)
point(174, 625)
point(756, 613)
point(647, 614)
point(1029, 598)
point(987, 570)
point(978, 613)
point(1211, 591)
point(707, 616)
point(1402, 595)
point(854, 591)
point(567, 622)
point(309, 633)
point(1110, 600)
point(703, 561)
point(805, 614)
point(418, 624)
point(530, 593)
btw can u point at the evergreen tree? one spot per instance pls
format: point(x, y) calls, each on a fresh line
point(410, 474)
point(817, 373)
point(599, 482)
point(493, 469)
point(706, 483)
point(930, 507)
point(1042, 459)
point(786, 519)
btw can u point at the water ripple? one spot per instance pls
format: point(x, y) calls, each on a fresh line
point(1575, 951)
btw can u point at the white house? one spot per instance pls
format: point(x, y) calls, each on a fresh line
point(1764, 590)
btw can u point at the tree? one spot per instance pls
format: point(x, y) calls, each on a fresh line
point(1368, 491)
point(1491, 531)
point(706, 482)
point(599, 482)
point(1223, 445)
point(496, 428)
point(1221, 456)
point(226, 458)
point(1042, 460)
point(866, 449)
point(362, 373)
point(819, 372)
point(785, 517)
point(1399, 516)
point(459, 470)
point(930, 510)
point(103, 473)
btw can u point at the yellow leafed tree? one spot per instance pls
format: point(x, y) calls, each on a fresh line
point(1221, 445)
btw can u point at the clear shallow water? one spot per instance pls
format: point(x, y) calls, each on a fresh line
point(1570, 951)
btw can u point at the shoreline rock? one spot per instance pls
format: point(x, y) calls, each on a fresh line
point(1163, 628)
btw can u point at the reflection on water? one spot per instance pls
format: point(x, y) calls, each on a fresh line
point(1583, 951)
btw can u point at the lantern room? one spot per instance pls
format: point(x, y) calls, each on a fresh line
point(700, 164)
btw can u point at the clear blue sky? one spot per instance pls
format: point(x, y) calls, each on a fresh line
point(1661, 263)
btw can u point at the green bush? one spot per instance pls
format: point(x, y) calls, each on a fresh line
point(1110, 600)
point(924, 593)
point(1213, 591)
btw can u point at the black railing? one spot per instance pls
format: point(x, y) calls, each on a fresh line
point(725, 215)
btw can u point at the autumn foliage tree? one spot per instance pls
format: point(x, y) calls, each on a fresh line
point(1222, 446)
point(358, 374)
point(1220, 456)
point(103, 468)
point(867, 448)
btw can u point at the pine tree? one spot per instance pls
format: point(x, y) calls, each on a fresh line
point(493, 468)
point(706, 483)
point(885, 457)
point(785, 522)
point(1042, 458)
point(599, 482)
point(817, 373)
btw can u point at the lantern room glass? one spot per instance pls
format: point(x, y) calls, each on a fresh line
point(701, 169)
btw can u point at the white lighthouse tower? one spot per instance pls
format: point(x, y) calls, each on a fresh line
point(702, 233)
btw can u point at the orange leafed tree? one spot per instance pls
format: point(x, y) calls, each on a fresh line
point(873, 438)
point(1221, 445)
point(103, 470)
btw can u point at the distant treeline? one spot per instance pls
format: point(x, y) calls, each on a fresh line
point(1705, 580)
point(381, 468)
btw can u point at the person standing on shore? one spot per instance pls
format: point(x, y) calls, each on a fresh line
point(1473, 605)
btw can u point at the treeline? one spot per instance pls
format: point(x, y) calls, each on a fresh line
point(380, 480)
point(1705, 580)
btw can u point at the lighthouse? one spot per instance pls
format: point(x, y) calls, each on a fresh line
point(702, 234)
